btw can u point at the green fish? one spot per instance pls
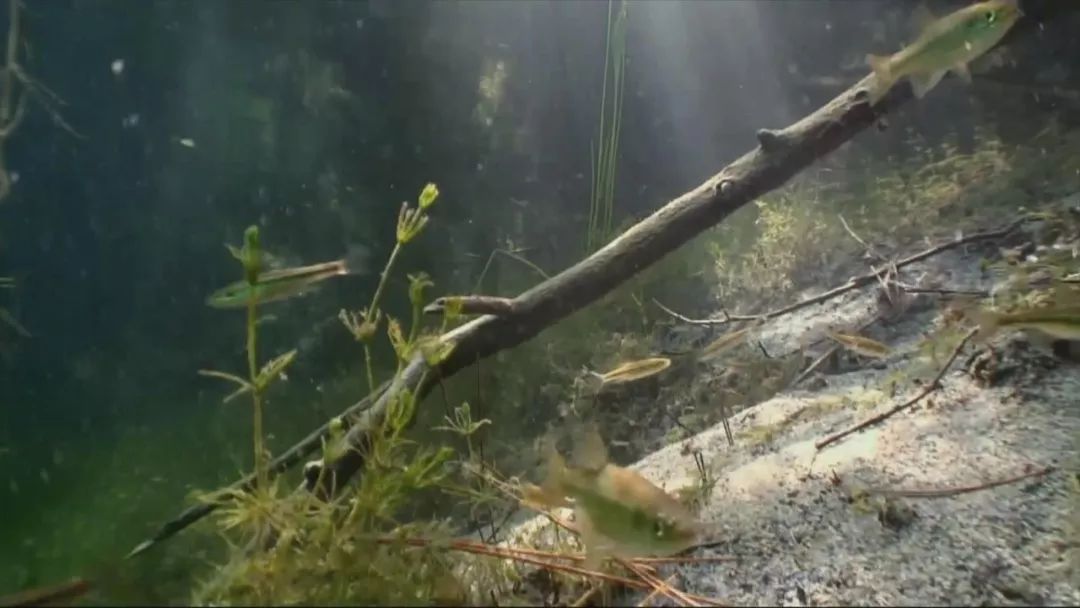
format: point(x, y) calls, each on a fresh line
point(945, 44)
point(1061, 322)
point(617, 511)
point(277, 284)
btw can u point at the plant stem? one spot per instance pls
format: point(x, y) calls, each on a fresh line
point(604, 153)
point(367, 367)
point(383, 277)
point(372, 310)
point(256, 398)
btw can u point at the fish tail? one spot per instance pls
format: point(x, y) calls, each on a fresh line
point(883, 78)
point(550, 493)
point(988, 322)
point(356, 261)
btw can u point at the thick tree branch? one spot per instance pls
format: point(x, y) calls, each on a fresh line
point(788, 151)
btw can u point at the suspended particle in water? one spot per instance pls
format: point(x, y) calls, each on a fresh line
point(44, 476)
point(117, 67)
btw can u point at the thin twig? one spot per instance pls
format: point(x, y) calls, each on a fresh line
point(869, 249)
point(659, 585)
point(854, 282)
point(941, 292)
point(648, 598)
point(944, 492)
point(588, 595)
point(929, 388)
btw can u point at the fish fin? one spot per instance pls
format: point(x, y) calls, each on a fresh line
point(921, 83)
point(961, 70)
point(882, 76)
point(988, 322)
point(357, 260)
point(550, 493)
point(922, 17)
point(553, 482)
point(596, 550)
point(591, 453)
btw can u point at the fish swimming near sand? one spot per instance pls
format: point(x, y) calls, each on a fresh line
point(630, 371)
point(946, 44)
point(726, 342)
point(618, 512)
point(861, 345)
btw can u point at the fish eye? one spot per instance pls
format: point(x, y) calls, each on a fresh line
point(659, 529)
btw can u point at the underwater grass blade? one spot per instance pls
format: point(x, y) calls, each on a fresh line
point(603, 154)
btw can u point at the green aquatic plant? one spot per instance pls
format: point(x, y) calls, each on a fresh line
point(364, 324)
point(367, 546)
point(605, 153)
point(259, 379)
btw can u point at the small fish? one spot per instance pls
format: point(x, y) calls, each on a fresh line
point(944, 44)
point(187, 142)
point(277, 284)
point(628, 372)
point(861, 345)
point(1061, 322)
point(636, 370)
point(726, 342)
point(48, 596)
point(617, 511)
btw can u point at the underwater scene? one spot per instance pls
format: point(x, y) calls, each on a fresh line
point(540, 302)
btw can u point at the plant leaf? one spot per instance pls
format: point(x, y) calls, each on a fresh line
point(274, 368)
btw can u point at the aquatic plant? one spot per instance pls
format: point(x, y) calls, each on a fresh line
point(300, 549)
point(364, 324)
point(12, 108)
point(605, 152)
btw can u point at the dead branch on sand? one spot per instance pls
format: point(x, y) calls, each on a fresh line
point(855, 282)
point(929, 388)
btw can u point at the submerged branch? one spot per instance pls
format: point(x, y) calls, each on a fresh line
point(856, 282)
point(929, 388)
point(285, 461)
point(954, 491)
point(644, 244)
point(743, 181)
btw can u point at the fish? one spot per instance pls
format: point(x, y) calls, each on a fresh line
point(1061, 322)
point(48, 596)
point(618, 512)
point(281, 284)
point(861, 345)
point(636, 370)
point(628, 372)
point(726, 342)
point(945, 44)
